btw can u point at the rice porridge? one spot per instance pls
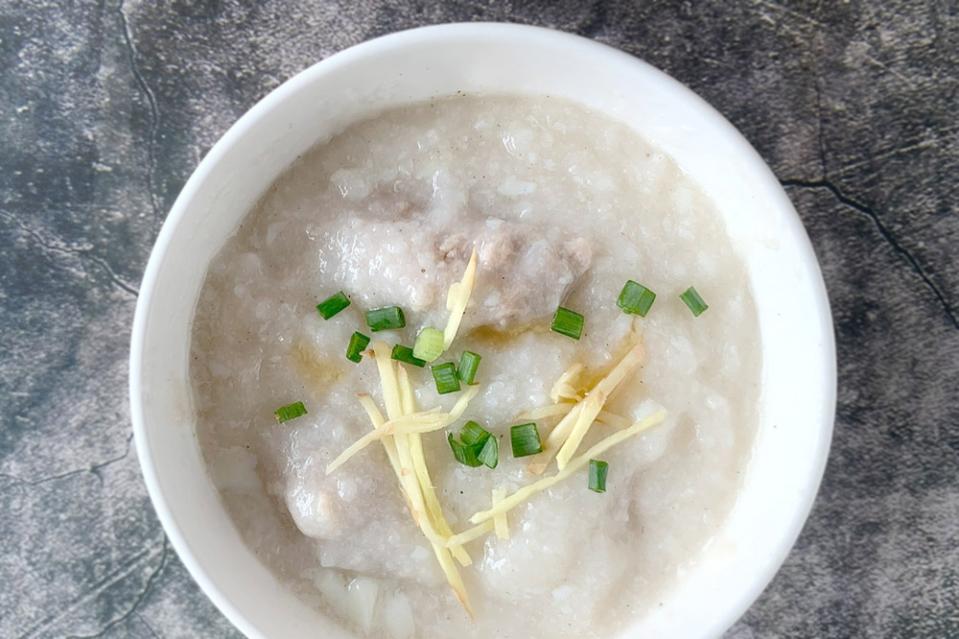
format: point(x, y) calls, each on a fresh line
point(532, 214)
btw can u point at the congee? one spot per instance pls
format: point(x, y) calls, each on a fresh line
point(484, 366)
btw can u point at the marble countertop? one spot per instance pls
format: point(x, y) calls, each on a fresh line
point(106, 108)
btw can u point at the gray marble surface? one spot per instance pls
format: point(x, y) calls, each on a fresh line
point(106, 108)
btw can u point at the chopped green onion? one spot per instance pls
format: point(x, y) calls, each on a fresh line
point(473, 433)
point(597, 475)
point(469, 362)
point(429, 344)
point(635, 298)
point(524, 439)
point(475, 446)
point(445, 377)
point(465, 454)
point(568, 323)
point(333, 305)
point(695, 303)
point(358, 342)
point(489, 454)
point(290, 411)
point(405, 354)
point(388, 317)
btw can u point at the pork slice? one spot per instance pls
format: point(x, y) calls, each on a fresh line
point(523, 271)
point(522, 274)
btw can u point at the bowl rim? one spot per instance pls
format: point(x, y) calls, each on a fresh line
point(375, 47)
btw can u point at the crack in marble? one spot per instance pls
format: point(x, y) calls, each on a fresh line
point(824, 182)
point(120, 573)
point(116, 279)
point(146, 624)
point(148, 586)
point(884, 232)
point(147, 92)
point(93, 469)
point(82, 254)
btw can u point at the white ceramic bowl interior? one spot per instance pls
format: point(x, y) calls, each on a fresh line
point(799, 376)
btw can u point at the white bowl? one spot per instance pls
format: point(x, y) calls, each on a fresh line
point(799, 373)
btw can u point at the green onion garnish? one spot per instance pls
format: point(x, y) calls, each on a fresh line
point(429, 344)
point(333, 305)
point(445, 377)
point(597, 475)
point(405, 354)
point(475, 446)
point(568, 323)
point(524, 439)
point(469, 362)
point(382, 319)
point(290, 411)
point(489, 454)
point(358, 342)
point(464, 454)
point(695, 303)
point(635, 298)
point(473, 433)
